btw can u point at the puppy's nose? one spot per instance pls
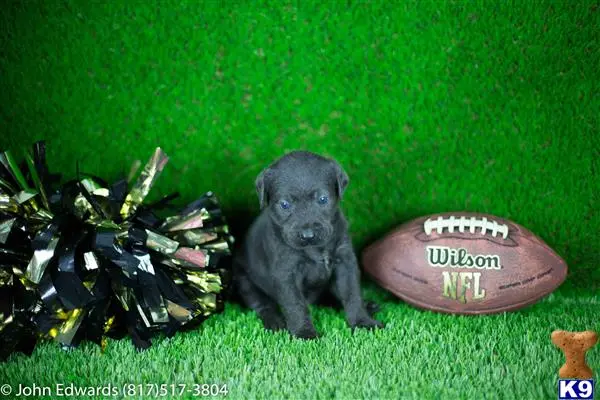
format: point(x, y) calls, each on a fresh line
point(307, 234)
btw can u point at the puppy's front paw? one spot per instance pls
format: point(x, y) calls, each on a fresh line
point(367, 323)
point(273, 322)
point(372, 307)
point(307, 333)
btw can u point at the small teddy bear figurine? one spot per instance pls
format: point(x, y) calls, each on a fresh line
point(575, 345)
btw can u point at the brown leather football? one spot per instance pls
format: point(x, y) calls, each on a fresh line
point(464, 263)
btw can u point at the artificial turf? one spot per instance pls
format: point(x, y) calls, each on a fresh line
point(486, 106)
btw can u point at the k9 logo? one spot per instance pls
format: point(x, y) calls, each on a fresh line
point(575, 389)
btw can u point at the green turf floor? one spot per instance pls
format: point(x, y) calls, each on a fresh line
point(430, 106)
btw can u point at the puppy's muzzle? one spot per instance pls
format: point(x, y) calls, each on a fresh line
point(311, 234)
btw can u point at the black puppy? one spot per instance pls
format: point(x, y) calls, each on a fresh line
point(299, 247)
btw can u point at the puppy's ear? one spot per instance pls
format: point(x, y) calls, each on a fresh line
point(341, 179)
point(262, 188)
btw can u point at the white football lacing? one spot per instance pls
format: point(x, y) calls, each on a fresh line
point(451, 223)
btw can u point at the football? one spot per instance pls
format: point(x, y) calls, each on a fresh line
point(464, 263)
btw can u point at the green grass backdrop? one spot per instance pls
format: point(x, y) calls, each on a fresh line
point(430, 106)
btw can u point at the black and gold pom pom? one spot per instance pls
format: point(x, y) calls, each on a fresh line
point(85, 260)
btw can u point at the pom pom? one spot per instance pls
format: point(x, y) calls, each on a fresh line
point(85, 260)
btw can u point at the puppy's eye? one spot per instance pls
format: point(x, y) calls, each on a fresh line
point(323, 200)
point(284, 204)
